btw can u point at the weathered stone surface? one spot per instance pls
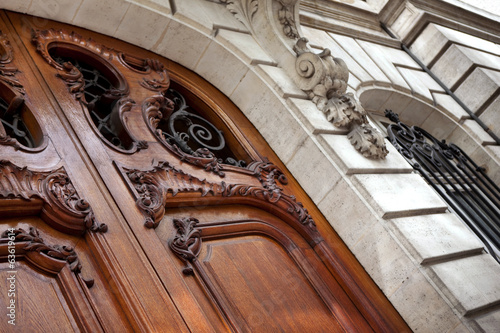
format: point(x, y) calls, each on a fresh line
point(268, 113)
point(422, 307)
point(470, 283)
point(491, 117)
point(347, 212)
point(399, 195)
point(384, 259)
point(313, 119)
point(244, 46)
point(280, 81)
point(102, 16)
point(152, 23)
point(438, 236)
point(195, 43)
point(450, 107)
point(477, 132)
point(313, 169)
point(340, 150)
point(478, 88)
point(216, 57)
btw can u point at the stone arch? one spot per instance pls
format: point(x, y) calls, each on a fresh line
point(439, 122)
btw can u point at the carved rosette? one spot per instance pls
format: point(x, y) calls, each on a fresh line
point(186, 243)
point(62, 206)
point(153, 186)
point(36, 244)
point(324, 79)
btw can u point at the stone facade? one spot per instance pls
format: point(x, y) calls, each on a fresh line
point(426, 261)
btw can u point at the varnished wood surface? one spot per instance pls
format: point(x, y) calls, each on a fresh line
point(250, 245)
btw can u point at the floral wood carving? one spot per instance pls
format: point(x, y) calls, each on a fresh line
point(36, 244)
point(62, 206)
point(324, 79)
point(153, 186)
point(103, 92)
point(7, 73)
point(186, 243)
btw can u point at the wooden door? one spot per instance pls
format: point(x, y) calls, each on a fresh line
point(136, 197)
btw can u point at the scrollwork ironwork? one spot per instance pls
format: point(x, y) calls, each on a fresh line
point(454, 175)
point(190, 136)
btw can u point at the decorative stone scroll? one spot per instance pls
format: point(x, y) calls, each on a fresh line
point(60, 206)
point(153, 186)
point(34, 243)
point(324, 79)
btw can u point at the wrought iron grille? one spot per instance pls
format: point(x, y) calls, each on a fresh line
point(193, 133)
point(463, 184)
point(13, 123)
point(99, 99)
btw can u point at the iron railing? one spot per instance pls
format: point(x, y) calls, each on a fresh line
point(464, 185)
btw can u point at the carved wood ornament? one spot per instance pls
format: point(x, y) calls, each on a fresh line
point(17, 119)
point(153, 186)
point(71, 54)
point(32, 244)
point(49, 193)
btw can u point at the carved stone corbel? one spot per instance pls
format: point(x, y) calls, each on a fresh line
point(324, 78)
point(274, 24)
point(50, 194)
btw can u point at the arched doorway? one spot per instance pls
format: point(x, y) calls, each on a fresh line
point(178, 231)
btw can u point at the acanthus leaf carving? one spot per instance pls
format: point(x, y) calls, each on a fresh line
point(243, 10)
point(324, 78)
point(35, 243)
point(186, 243)
point(367, 140)
point(153, 186)
point(63, 208)
point(160, 85)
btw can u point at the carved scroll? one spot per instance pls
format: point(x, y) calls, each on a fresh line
point(103, 92)
point(186, 243)
point(7, 73)
point(34, 243)
point(61, 206)
point(153, 187)
point(324, 79)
